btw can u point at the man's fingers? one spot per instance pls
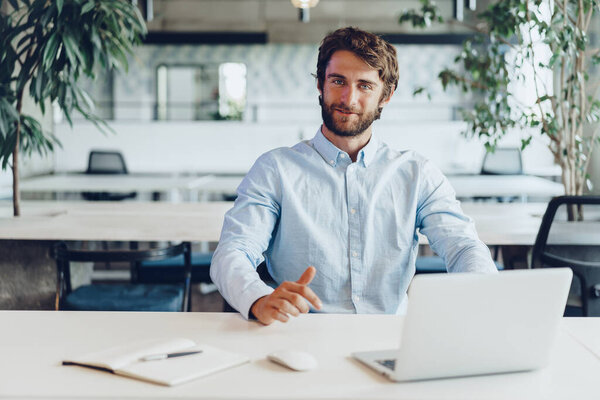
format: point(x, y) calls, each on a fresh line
point(295, 299)
point(287, 307)
point(306, 293)
point(307, 276)
point(279, 316)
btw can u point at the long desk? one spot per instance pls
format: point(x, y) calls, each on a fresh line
point(173, 186)
point(28, 263)
point(465, 186)
point(496, 223)
point(114, 221)
point(33, 343)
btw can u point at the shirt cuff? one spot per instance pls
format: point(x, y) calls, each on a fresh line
point(260, 289)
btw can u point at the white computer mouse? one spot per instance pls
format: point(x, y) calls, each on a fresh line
point(296, 360)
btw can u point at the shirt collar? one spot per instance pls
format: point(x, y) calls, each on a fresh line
point(330, 152)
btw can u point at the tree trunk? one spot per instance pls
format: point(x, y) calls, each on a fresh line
point(15, 161)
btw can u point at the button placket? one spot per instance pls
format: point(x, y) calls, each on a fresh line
point(354, 245)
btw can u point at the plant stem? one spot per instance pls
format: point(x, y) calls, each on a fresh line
point(15, 163)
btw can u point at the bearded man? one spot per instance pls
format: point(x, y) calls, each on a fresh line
point(341, 211)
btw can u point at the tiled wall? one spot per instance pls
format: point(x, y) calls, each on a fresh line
point(280, 85)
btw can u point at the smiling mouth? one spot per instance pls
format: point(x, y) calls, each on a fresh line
point(345, 112)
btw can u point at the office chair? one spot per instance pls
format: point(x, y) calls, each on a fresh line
point(503, 161)
point(436, 265)
point(575, 219)
point(172, 269)
point(106, 163)
point(122, 296)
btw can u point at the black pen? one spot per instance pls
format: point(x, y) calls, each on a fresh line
point(153, 357)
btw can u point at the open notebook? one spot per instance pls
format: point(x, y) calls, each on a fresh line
point(126, 361)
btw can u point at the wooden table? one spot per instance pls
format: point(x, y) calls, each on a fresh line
point(33, 343)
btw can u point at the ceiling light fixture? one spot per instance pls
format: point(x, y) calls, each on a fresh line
point(304, 7)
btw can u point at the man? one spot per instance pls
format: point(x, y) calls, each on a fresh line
point(340, 211)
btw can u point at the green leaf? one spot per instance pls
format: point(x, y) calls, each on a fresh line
point(59, 5)
point(50, 51)
point(14, 4)
point(89, 6)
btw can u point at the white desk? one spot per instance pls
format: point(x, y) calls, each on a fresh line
point(34, 343)
point(114, 221)
point(466, 186)
point(175, 186)
point(496, 223)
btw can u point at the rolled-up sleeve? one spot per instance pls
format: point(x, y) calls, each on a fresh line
point(451, 234)
point(246, 233)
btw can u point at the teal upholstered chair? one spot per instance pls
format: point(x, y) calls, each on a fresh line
point(122, 296)
point(172, 269)
point(436, 264)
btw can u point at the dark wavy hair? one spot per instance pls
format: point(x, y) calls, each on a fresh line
point(370, 48)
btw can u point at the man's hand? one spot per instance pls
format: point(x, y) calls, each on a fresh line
point(288, 298)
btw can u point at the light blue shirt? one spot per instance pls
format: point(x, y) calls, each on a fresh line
point(355, 222)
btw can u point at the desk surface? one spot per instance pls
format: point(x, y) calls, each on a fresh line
point(33, 344)
point(120, 221)
point(504, 185)
point(466, 186)
point(496, 223)
point(111, 183)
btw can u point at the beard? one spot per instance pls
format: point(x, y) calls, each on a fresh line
point(340, 127)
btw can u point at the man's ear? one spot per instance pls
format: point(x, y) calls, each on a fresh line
point(387, 100)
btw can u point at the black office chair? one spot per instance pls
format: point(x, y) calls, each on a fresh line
point(106, 163)
point(122, 296)
point(573, 215)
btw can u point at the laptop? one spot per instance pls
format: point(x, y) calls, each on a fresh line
point(474, 324)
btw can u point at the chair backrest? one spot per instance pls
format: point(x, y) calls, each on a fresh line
point(106, 162)
point(569, 236)
point(63, 256)
point(503, 161)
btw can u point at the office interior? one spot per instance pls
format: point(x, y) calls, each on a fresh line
point(217, 83)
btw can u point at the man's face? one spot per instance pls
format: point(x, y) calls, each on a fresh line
point(351, 95)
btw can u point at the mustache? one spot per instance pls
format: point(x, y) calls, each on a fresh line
point(344, 108)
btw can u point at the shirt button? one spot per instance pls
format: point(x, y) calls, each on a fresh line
point(354, 254)
point(352, 211)
point(342, 155)
point(331, 162)
point(356, 298)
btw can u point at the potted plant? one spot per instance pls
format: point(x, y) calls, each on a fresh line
point(546, 44)
point(45, 48)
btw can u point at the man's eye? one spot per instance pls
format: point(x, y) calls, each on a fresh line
point(337, 82)
point(365, 87)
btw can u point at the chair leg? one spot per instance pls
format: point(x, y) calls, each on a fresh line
point(187, 257)
point(589, 294)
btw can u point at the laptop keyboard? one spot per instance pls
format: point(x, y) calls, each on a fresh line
point(391, 363)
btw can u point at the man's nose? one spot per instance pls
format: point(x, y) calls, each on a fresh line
point(350, 96)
